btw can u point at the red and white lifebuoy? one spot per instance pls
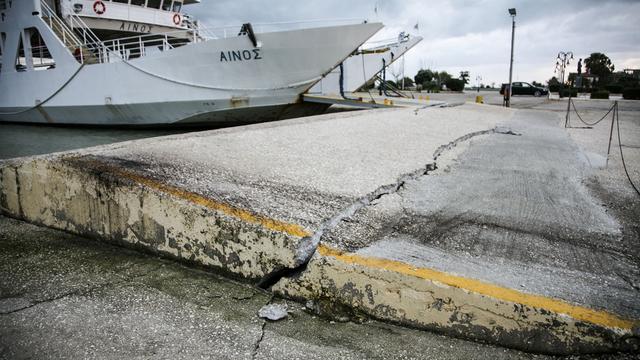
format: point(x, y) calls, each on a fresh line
point(99, 7)
point(177, 19)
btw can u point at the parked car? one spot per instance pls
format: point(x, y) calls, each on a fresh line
point(523, 88)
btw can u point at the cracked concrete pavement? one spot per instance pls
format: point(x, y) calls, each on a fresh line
point(289, 177)
point(257, 201)
point(66, 297)
point(510, 210)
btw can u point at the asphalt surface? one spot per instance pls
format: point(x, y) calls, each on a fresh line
point(65, 297)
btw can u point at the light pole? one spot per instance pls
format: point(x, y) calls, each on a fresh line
point(512, 12)
point(478, 79)
point(562, 61)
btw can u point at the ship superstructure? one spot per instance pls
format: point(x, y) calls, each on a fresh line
point(92, 62)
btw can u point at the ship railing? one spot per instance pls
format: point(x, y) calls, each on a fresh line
point(66, 34)
point(41, 58)
point(128, 48)
point(76, 23)
point(227, 31)
point(83, 48)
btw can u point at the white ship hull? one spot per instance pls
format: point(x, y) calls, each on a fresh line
point(200, 82)
point(362, 68)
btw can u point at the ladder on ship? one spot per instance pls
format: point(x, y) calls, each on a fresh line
point(77, 37)
point(388, 87)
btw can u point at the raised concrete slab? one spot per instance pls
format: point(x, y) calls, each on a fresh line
point(342, 205)
point(501, 243)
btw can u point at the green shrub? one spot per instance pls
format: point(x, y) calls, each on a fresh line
point(631, 94)
point(455, 84)
point(566, 92)
point(600, 94)
point(614, 89)
point(554, 87)
point(430, 86)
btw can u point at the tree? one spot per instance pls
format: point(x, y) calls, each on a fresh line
point(442, 77)
point(455, 84)
point(628, 81)
point(407, 82)
point(423, 76)
point(554, 84)
point(600, 65)
point(464, 76)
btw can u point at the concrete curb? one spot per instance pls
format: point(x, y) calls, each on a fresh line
point(462, 307)
point(85, 196)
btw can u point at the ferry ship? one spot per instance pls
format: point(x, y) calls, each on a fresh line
point(365, 65)
point(146, 62)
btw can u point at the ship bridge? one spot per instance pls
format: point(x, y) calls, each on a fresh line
point(111, 19)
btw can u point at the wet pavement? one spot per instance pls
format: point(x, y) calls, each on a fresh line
point(66, 297)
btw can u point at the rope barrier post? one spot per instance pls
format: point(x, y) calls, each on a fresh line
point(613, 121)
point(567, 118)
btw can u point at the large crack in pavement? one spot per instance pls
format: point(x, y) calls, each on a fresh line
point(256, 346)
point(310, 244)
point(84, 292)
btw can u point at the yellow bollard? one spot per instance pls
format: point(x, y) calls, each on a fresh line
point(479, 99)
point(391, 102)
point(427, 98)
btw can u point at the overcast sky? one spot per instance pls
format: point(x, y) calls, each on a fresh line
point(471, 35)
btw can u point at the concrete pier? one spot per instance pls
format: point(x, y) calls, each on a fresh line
point(473, 221)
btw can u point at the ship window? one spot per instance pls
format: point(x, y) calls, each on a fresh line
point(40, 55)
point(154, 4)
point(177, 5)
point(138, 2)
point(166, 5)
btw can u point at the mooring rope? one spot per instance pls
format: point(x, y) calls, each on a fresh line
point(615, 123)
point(49, 98)
point(586, 123)
point(624, 164)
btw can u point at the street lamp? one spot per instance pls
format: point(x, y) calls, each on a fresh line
point(562, 61)
point(512, 12)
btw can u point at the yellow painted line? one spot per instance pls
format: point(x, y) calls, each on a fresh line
point(244, 215)
point(541, 302)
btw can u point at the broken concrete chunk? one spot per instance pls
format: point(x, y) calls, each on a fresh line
point(273, 312)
